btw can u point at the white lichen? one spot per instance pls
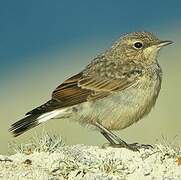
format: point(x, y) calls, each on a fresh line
point(47, 158)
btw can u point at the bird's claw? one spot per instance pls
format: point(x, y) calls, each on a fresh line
point(133, 146)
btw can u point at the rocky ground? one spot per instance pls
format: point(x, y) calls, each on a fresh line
point(49, 159)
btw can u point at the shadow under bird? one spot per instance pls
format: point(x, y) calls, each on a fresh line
point(118, 88)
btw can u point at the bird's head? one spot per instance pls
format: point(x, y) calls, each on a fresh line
point(141, 46)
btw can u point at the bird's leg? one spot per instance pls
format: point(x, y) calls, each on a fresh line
point(111, 137)
point(110, 134)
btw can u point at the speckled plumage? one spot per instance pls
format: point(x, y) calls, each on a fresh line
point(116, 89)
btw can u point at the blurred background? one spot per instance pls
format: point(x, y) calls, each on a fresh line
point(44, 42)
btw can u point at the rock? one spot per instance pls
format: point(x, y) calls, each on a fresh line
point(90, 162)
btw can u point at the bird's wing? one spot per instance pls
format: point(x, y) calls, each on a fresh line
point(90, 85)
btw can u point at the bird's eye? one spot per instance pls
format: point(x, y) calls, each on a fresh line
point(138, 45)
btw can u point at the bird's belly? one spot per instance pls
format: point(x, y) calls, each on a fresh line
point(121, 109)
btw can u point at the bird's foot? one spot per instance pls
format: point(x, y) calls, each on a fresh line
point(139, 146)
point(133, 146)
point(128, 146)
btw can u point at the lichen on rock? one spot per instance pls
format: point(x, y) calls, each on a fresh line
point(50, 159)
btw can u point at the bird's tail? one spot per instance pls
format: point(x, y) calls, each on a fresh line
point(31, 121)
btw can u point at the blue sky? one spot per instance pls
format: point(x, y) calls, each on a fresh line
point(30, 28)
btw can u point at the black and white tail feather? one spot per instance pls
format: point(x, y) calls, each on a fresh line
point(34, 118)
point(24, 124)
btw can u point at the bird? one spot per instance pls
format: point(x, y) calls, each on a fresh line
point(115, 90)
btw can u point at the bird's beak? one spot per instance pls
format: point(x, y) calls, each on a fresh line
point(164, 43)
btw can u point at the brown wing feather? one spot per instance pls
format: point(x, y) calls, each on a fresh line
point(106, 85)
point(66, 94)
point(89, 87)
point(79, 89)
point(70, 92)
